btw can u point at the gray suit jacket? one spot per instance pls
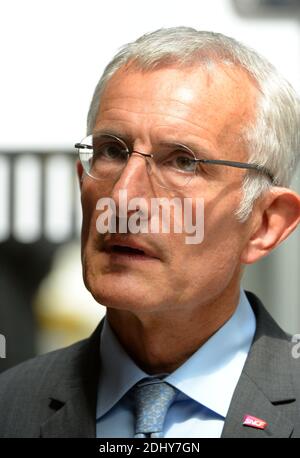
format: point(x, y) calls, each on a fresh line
point(54, 395)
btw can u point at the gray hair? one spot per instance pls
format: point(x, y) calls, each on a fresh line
point(273, 139)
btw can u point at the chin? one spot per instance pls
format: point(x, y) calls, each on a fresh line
point(131, 299)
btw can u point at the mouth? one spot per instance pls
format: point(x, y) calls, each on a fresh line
point(123, 252)
point(126, 250)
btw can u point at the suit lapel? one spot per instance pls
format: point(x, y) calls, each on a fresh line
point(72, 403)
point(74, 419)
point(265, 386)
point(248, 399)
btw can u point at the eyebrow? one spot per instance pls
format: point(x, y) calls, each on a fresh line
point(116, 133)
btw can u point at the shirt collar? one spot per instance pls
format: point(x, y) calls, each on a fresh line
point(118, 372)
point(209, 376)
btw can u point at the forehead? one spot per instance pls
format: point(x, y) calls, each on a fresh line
point(212, 102)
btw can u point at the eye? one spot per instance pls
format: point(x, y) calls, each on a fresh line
point(182, 161)
point(109, 150)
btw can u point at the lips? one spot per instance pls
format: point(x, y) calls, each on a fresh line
point(126, 249)
point(129, 247)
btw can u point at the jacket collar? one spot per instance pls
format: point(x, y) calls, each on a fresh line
point(265, 385)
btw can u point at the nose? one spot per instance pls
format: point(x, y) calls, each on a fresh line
point(135, 182)
point(135, 177)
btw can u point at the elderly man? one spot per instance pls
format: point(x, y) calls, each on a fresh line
point(189, 117)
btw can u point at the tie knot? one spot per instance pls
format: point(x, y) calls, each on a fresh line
point(152, 399)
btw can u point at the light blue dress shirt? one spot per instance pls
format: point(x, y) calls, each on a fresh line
point(205, 382)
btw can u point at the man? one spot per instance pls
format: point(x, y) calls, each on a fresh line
point(184, 352)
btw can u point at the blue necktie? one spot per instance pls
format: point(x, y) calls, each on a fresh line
point(152, 399)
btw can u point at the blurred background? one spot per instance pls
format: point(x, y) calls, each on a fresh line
point(52, 55)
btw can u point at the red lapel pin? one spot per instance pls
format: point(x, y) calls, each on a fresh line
point(254, 422)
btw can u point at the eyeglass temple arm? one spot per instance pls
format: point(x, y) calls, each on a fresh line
point(83, 146)
point(240, 165)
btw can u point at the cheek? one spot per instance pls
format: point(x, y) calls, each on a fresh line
point(89, 198)
point(221, 240)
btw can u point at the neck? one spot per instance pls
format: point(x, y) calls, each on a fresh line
point(161, 341)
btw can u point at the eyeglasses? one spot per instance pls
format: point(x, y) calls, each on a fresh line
point(105, 156)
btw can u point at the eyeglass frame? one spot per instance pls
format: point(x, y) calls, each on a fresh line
point(241, 165)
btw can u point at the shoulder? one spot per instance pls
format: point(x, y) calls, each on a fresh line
point(31, 392)
point(37, 370)
point(54, 367)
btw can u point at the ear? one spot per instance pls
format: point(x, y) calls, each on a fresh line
point(276, 216)
point(80, 172)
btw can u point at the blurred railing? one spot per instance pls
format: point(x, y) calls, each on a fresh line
point(39, 196)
